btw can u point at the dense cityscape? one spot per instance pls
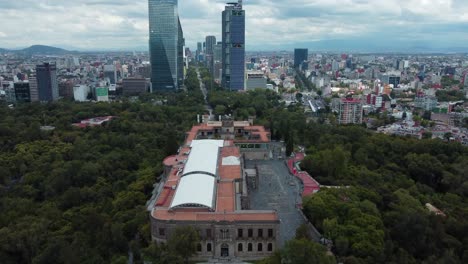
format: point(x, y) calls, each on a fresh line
point(221, 154)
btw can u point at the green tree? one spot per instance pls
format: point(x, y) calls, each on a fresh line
point(184, 242)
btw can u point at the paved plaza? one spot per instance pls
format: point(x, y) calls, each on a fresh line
point(278, 190)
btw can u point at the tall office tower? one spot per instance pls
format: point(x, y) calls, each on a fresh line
point(217, 52)
point(164, 44)
point(180, 56)
point(301, 56)
point(46, 75)
point(34, 91)
point(199, 47)
point(233, 21)
point(210, 44)
point(110, 72)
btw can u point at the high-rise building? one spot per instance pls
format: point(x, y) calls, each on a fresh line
point(165, 41)
point(33, 89)
point(22, 92)
point(301, 56)
point(349, 110)
point(46, 75)
point(110, 72)
point(233, 23)
point(210, 44)
point(134, 86)
point(180, 56)
point(218, 52)
point(199, 47)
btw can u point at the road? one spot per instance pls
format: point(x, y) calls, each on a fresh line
point(205, 95)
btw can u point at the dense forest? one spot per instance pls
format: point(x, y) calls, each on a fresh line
point(78, 195)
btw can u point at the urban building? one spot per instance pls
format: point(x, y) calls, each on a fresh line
point(144, 71)
point(80, 93)
point(180, 57)
point(233, 29)
point(426, 102)
point(33, 89)
point(210, 44)
point(217, 52)
point(22, 92)
point(349, 110)
point(110, 72)
point(46, 75)
point(391, 78)
point(301, 56)
point(134, 86)
point(166, 40)
point(256, 80)
point(66, 88)
point(207, 186)
point(102, 94)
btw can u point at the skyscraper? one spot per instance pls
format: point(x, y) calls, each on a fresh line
point(233, 21)
point(180, 56)
point(210, 44)
point(46, 75)
point(166, 38)
point(301, 56)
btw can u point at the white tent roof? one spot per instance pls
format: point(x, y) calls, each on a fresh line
point(203, 156)
point(195, 190)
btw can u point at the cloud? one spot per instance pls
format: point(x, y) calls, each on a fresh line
point(123, 24)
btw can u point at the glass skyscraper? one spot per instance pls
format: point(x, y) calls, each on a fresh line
point(47, 85)
point(166, 42)
point(300, 57)
point(233, 21)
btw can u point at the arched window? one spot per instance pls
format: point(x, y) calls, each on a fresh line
point(270, 247)
point(239, 247)
point(249, 247)
point(260, 247)
point(208, 247)
point(199, 249)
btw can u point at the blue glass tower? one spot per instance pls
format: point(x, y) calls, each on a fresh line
point(233, 77)
point(47, 85)
point(164, 45)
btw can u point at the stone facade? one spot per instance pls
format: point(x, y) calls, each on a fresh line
point(226, 240)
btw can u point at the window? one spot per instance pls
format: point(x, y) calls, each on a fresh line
point(239, 247)
point(199, 249)
point(208, 247)
point(260, 247)
point(260, 233)
point(270, 232)
point(208, 233)
point(250, 232)
point(225, 234)
point(249, 247)
point(162, 231)
point(240, 232)
point(270, 247)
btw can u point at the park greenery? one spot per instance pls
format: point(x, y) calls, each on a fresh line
point(78, 195)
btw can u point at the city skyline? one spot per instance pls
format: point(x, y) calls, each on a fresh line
point(340, 24)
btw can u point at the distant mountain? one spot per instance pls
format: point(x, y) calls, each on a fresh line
point(3, 50)
point(44, 50)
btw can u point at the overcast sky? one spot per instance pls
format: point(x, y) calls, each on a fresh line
point(271, 24)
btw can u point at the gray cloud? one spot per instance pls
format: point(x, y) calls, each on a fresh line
point(123, 24)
